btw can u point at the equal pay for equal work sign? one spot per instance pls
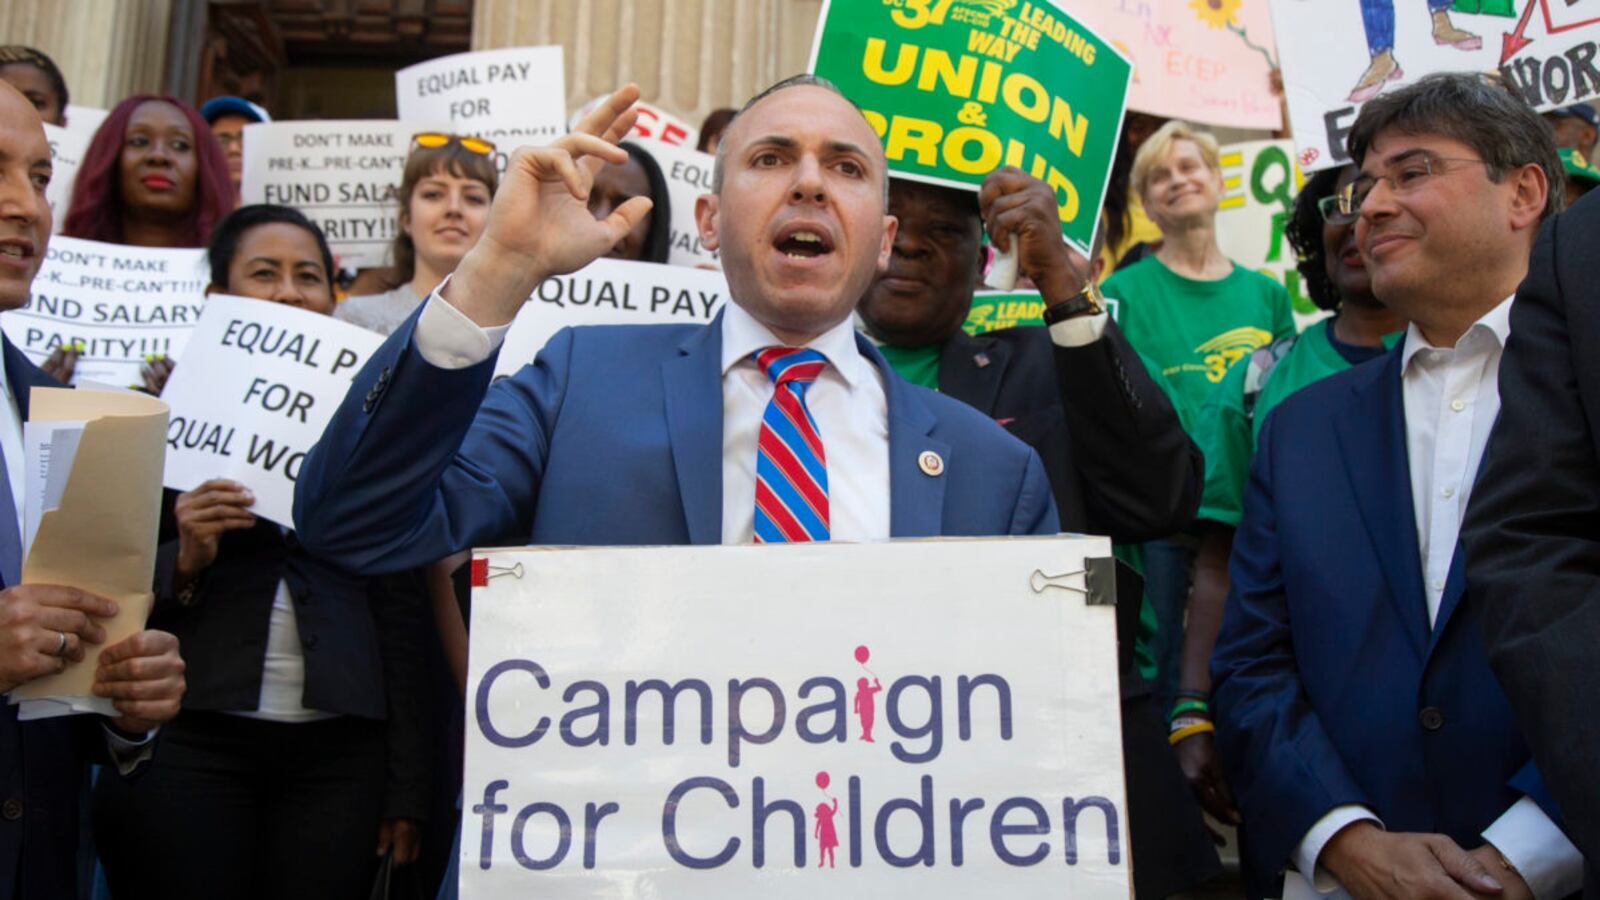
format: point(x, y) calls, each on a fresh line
point(255, 389)
point(932, 719)
point(342, 175)
point(512, 96)
point(120, 303)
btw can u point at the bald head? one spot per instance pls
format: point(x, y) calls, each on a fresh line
point(24, 212)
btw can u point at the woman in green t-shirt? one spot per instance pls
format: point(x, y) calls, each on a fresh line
point(1193, 312)
point(1361, 329)
point(1188, 307)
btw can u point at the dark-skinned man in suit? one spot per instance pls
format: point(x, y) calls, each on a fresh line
point(1117, 457)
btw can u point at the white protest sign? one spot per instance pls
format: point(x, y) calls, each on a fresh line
point(1337, 56)
point(653, 124)
point(688, 173)
point(931, 719)
point(86, 118)
point(512, 96)
point(123, 303)
point(342, 175)
point(67, 147)
point(1261, 181)
point(611, 292)
point(255, 390)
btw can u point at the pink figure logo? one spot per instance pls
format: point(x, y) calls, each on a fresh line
point(866, 707)
point(827, 837)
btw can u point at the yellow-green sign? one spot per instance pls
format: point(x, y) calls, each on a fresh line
point(959, 88)
point(994, 310)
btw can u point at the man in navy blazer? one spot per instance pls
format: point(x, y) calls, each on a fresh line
point(43, 627)
point(1368, 743)
point(647, 435)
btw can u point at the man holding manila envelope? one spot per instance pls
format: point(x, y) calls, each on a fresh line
point(45, 628)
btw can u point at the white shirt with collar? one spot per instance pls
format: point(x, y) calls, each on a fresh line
point(1451, 397)
point(852, 414)
point(847, 401)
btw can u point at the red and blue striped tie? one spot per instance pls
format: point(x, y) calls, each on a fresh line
point(791, 468)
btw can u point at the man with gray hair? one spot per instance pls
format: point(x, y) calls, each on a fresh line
point(1368, 743)
point(774, 423)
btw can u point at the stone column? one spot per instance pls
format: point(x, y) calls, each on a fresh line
point(688, 56)
point(107, 49)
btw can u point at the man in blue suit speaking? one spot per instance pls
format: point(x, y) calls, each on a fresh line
point(1368, 743)
point(774, 423)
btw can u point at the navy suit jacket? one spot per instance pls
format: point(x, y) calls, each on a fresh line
point(1329, 687)
point(612, 436)
point(42, 764)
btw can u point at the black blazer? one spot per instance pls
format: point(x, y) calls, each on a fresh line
point(362, 640)
point(1118, 459)
point(1532, 531)
point(42, 764)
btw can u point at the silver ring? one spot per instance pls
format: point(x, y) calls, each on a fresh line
point(61, 648)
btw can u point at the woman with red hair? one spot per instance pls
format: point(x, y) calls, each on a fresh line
point(153, 176)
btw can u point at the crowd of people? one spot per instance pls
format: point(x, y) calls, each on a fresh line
point(1378, 683)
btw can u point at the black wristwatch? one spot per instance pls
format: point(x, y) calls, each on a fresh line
point(1086, 302)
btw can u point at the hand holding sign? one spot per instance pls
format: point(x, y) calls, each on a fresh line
point(1019, 212)
point(540, 223)
point(204, 515)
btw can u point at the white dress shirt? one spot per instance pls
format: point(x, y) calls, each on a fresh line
point(847, 401)
point(1451, 397)
point(852, 415)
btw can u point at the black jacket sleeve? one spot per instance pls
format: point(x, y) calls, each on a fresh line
point(1141, 473)
point(1532, 532)
point(399, 609)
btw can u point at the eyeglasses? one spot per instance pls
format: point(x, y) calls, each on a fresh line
point(1330, 207)
point(1406, 178)
point(434, 139)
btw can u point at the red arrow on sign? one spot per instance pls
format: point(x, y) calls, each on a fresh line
point(1514, 41)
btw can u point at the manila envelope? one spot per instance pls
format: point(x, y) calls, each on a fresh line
point(102, 538)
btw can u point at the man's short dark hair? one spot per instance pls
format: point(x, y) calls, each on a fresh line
point(802, 80)
point(1476, 110)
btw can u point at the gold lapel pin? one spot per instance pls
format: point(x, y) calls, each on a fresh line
point(932, 464)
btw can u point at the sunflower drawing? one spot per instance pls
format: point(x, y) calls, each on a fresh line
point(1216, 13)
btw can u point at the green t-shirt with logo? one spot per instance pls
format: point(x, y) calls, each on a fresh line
point(1230, 421)
point(1195, 330)
point(918, 365)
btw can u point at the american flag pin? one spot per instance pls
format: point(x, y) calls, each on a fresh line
point(982, 359)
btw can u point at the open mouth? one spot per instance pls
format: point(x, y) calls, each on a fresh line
point(803, 242)
point(16, 251)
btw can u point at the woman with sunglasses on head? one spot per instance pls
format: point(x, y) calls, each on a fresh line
point(444, 199)
point(301, 747)
point(1360, 329)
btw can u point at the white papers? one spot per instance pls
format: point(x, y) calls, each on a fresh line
point(49, 448)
